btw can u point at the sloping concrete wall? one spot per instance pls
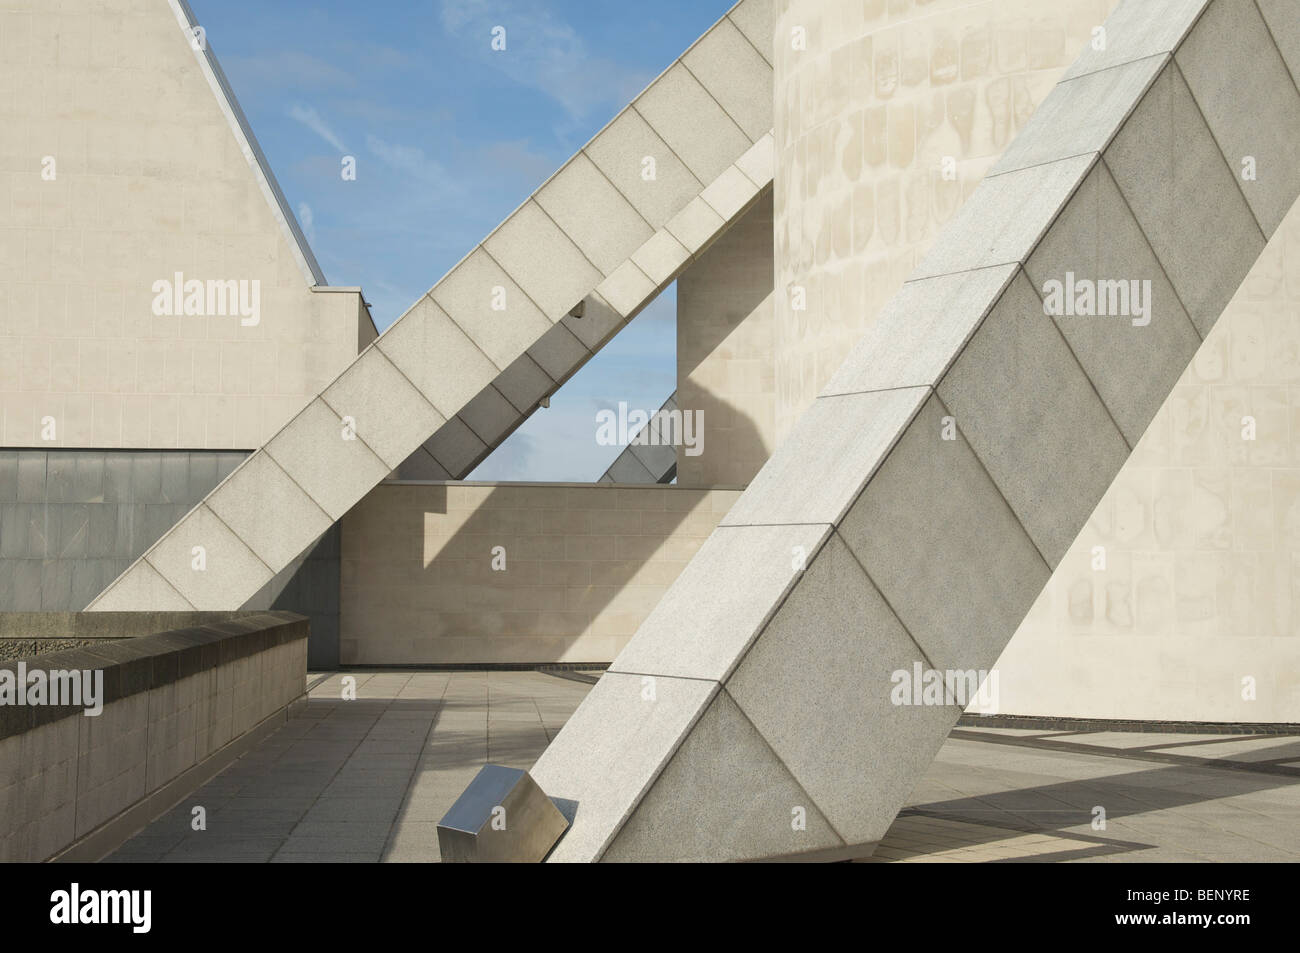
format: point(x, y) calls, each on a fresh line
point(648, 462)
point(1195, 590)
point(920, 505)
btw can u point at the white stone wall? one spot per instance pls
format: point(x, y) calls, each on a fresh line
point(584, 565)
point(724, 353)
point(1200, 534)
point(865, 116)
point(149, 180)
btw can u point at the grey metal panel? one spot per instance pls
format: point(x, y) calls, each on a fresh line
point(146, 478)
point(158, 519)
point(60, 477)
point(39, 530)
point(101, 539)
point(85, 514)
point(88, 483)
point(129, 515)
point(89, 577)
point(502, 817)
point(227, 460)
point(31, 476)
point(13, 531)
point(26, 585)
point(202, 476)
point(175, 477)
point(56, 584)
point(117, 477)
point(8, 476)
point(74, 531)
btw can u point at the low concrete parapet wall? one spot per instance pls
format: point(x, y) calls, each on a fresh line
point(24, 634)
point(533, 573)
point(175, 708)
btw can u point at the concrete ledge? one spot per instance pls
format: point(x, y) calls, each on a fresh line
point(101, 625)
point(173, 708)
point(28, 634)
point(134, 665)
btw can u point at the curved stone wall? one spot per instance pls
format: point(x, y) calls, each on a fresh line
point(885, 120)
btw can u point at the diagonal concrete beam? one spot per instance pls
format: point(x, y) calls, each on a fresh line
point(921, 503)
point(496, 411)
point(646, 463)
point(504, 328)
point(492, 414)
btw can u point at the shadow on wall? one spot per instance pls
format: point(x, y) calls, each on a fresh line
point(728, 283)
point(310, 586)
point(725, 358)
point(736, 444)
point(453, 573)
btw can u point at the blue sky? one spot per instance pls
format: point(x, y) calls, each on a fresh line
point(449, 138)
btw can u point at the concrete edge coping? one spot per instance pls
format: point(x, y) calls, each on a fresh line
point(139, 664)
point(93, 626)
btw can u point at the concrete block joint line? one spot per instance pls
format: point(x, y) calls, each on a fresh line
point(915, 511)
point(939, 478)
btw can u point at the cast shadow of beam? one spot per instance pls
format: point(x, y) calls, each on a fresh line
point(438, 600)
point(1067, 807)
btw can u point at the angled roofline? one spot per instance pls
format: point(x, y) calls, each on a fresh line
point(307, 264)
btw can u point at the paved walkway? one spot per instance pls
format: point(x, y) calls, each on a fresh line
point(368, 780)
point(1002, 795)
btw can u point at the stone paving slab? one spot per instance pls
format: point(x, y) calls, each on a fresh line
point(368, 780)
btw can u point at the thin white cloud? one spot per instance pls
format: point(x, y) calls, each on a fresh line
point(515, 459)
point(543, 52)
point(307, 220)
point(289, 70)
point(309, 117)
point(409, 161)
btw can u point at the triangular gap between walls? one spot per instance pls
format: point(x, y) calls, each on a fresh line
point(559, 443)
